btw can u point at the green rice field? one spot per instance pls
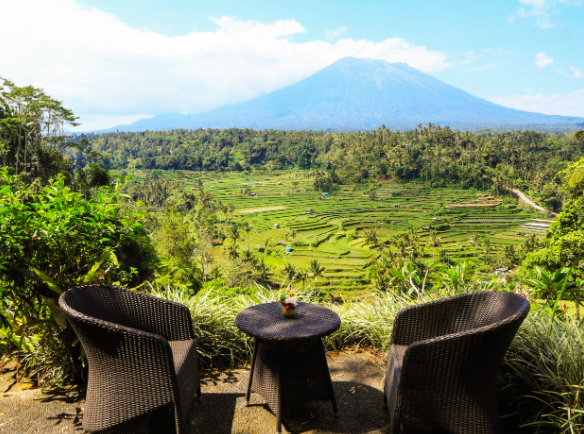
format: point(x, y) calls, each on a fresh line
point(285, 211)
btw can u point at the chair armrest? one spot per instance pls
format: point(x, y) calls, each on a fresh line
point(155, 315)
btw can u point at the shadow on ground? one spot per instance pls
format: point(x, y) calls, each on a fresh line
point(357, 381)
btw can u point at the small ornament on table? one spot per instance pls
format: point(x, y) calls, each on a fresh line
point(289, 305)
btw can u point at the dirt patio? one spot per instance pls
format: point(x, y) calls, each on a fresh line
point(357, 379)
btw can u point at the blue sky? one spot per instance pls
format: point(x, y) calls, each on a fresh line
point(117, 61)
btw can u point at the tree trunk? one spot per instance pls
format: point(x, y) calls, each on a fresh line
point(25, 154)
point(18, 149)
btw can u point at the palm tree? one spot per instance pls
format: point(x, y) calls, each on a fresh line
point(222, 208)
point(247, 227)
point(372, 237)
point(289, 273)
point(205, 198)
point(486, 246)
point(316, 270)
point(474, 240)
point(229, 210)
point(434, 240)
point(232, 252)
point(234, 233)
point(302, 275)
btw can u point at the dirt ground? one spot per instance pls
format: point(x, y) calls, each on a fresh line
point(357, 380)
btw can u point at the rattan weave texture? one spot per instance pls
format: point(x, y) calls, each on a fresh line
point(265, 321)
point(289, 365)
point(444, 360)
point(141, 354)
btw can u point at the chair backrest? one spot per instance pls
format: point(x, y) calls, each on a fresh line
point(102, 302)
point(456, 314)
point(483, 308)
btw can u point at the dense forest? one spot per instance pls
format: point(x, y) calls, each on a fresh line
point(526, 160)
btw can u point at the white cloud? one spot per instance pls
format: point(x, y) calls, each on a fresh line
point(542, 60)
point(332, 35)
point(565, 104)
point(576, 72)
point(541, 11)
point(91, 122)
point(97, 64)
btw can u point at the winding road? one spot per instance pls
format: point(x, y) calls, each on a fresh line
point(529, 202)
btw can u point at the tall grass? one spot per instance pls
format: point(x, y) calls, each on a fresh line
point(222, 344)
point(547, 359)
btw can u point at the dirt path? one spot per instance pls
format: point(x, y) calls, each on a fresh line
point(529, 202)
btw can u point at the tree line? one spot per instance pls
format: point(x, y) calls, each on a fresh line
point(441, 156)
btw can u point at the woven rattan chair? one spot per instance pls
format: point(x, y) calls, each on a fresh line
point(141, 354)
point(444, 360)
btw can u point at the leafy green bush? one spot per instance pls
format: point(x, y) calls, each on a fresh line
point(51, 241)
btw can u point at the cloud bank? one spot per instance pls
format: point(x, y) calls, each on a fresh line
point(564, 104)
point(99, 65)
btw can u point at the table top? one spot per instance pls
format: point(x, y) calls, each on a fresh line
point(266, 321)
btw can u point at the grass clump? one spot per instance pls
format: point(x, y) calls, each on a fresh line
point(546, 381)
point(221, 344)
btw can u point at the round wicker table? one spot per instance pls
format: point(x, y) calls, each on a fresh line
point(289, 364)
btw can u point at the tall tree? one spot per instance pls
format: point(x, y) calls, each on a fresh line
point(316, 269)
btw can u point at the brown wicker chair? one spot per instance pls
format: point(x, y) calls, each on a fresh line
point(444, 360)
point(141, 354)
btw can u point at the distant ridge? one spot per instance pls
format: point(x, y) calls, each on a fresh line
point(359, 94)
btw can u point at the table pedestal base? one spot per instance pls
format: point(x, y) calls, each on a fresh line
point(289, 373)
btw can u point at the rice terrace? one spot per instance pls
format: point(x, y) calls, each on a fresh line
point(334, 228)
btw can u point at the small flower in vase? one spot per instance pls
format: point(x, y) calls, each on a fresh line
point(289, 307)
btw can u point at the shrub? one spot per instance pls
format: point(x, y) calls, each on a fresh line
point(53, 240)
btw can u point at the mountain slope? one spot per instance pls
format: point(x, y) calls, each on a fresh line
point(354, 94)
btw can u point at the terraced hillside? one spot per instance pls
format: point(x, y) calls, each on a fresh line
point(285, 211)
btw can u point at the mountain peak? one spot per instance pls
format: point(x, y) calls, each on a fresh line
point(359, 94)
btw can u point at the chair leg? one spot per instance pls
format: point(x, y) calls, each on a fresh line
point(279, 390)
point(248, 393)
